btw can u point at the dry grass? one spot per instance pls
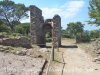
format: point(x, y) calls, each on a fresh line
point(87, 47)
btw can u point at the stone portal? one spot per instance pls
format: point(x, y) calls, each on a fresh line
point(39, 27)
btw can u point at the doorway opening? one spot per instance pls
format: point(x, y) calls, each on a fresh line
point(48, 37)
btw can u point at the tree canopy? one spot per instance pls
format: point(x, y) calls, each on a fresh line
point(75, 28)
point(12, 13)
point(94, 12)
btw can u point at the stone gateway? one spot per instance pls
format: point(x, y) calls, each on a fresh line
point(39, 27)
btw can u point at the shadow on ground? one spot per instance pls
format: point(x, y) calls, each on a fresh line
point(58, 61)
point(69, 46)
point(48, 46)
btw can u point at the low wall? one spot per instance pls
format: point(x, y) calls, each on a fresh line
point(16, 42)
point(2, 36)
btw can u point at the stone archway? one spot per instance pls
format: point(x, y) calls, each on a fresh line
point(46, 28)
point(39, 27)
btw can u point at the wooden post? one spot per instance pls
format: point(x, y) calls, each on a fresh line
point(57, 47)
point(52, 52)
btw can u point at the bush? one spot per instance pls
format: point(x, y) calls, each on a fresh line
point(82, 37)
point(23, 28)
point(65, 34)
point(4, 28)
point(48, 39)
point(16, 34)
point(48, 35)
point(95, 33)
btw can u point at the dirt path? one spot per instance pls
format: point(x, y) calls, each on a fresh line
point(77, 62)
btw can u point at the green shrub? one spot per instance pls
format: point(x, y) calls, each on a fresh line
point(48, 35)
point(65, 34)
point(48, 39)
point(3, 33)
point(11, 34)
point(82, 37)
point(4, 28)
point(95, 33)
point(16, 34)
point(23, 28)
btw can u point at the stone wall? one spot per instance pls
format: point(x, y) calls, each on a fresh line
point(39, 28)
point(56, 34)
point(36, 23)
point(16, 42)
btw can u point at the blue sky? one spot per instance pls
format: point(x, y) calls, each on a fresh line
point(69, 10)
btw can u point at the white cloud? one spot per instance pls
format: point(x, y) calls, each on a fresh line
point(69, 9)
point(49, 12)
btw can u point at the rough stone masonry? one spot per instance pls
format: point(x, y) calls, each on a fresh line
point(39, 27)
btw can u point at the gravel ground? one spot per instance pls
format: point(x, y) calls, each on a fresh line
point(11, 64)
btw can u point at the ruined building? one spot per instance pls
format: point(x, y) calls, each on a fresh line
point(39, 27)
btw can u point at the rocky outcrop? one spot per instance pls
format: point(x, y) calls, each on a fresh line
point(97, 59)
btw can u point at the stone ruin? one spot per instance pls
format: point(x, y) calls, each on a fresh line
point(16, 42)
point(39, 28)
